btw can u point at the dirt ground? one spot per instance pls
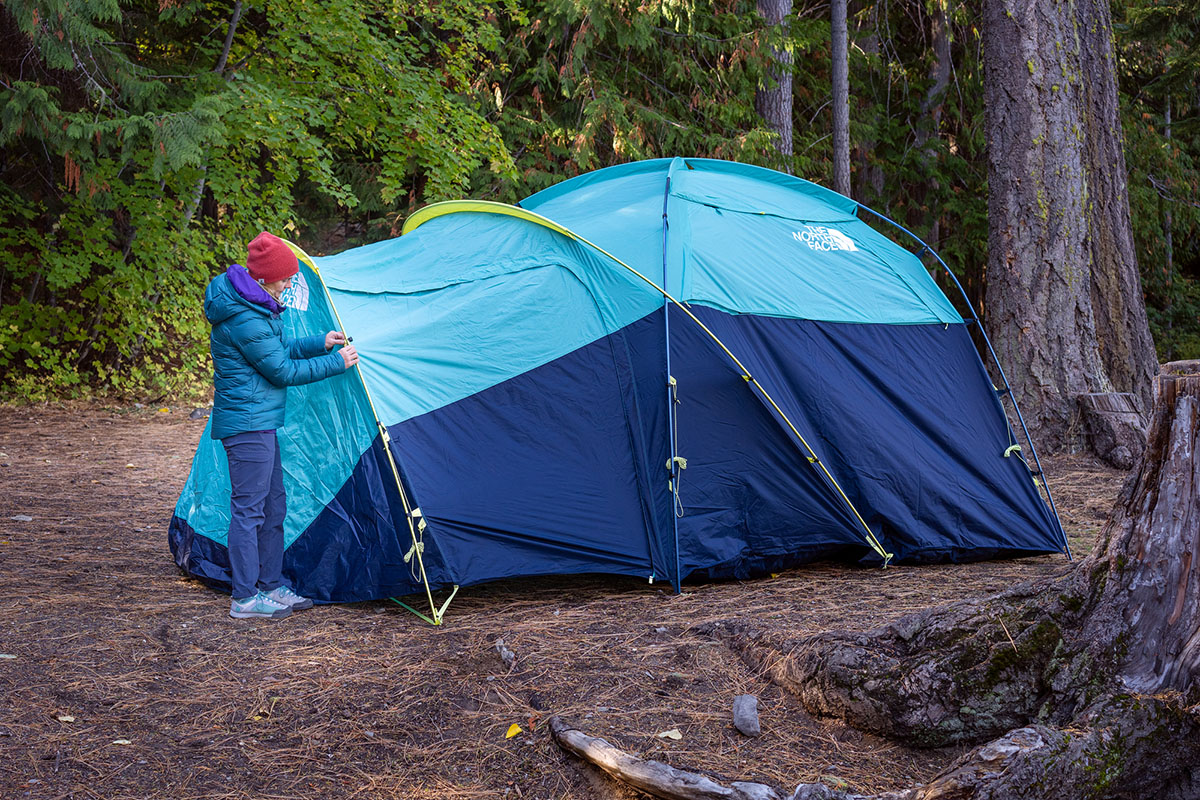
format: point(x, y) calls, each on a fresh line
point(119, 678)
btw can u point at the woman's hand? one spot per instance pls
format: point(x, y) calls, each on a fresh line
point(349, 355)
point(334, 338)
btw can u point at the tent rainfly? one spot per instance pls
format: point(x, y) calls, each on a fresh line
point(666, 369)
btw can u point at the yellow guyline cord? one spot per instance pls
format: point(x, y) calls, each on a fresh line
point(436, 613)
point(485, 206)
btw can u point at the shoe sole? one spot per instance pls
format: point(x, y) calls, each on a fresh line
point(280, 614)
point(301, 606)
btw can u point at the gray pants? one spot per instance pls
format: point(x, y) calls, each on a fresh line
point(257, 508)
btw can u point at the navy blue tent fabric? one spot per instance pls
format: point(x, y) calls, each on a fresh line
point(748, 497)
point(360, 555)
point(905, 417)
point(552, 472)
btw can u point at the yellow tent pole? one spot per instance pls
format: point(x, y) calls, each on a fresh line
point(387, 439)
point(485, 206)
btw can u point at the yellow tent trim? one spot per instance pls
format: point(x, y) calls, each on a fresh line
point(435, 210)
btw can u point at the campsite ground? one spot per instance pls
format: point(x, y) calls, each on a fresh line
point(121, 678)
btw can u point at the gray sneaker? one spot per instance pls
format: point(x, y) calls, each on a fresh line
point(260, 605)
point(285, 595)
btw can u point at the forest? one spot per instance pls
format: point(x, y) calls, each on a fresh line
point(142, 144)
point(1047, 156)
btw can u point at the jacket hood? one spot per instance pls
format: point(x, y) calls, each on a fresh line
point(235, 291)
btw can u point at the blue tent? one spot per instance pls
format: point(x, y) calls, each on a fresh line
point(667, 369)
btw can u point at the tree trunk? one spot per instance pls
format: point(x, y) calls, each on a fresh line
point(929, 124)
point(774, 103)
point(1064, 299)
point(1126, 346)
point(869, 175)
point(1089, 679)
point(839, 46)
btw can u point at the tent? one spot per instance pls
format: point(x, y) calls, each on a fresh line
point(666, 369)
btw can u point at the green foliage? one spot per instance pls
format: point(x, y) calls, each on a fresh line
point(139, 156)
point(584, 84)
point(1159, 57)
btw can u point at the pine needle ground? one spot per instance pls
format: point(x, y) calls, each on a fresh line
point(128, 679)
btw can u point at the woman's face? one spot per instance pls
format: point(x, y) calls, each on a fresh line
point(275, 288)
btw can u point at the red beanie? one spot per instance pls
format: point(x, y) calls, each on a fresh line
point(269, 259)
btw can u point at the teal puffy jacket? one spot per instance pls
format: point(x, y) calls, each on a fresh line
point(253, 364)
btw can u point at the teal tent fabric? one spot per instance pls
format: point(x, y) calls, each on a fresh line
point(748, 240)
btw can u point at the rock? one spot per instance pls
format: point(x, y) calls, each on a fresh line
point(506, 655)
point(1116, 428)
point(22, 518)
point(200, 413)
point(754, 791)
point(745, 714)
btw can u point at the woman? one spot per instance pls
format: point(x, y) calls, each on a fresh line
point(253, 364)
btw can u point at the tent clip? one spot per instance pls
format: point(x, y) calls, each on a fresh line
point(420, 520)
point(1016, 448)
point(675, 464)
point(418, 547)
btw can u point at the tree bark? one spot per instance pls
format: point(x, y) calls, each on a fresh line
point(839, 46)
point(1064, 300)
point(774, 103)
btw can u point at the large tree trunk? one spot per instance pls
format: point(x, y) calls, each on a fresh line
point(1064, 301)
point(1083, 686)
point(839, 47)
point(774, 103)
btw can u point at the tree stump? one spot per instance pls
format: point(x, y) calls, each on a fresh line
point(1089, 679)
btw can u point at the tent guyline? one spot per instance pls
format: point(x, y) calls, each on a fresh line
point(488, 207)
point(1042, 485)
point(418, 546)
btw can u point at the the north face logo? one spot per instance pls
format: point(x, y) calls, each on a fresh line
point(296, 296)
point(819, 237)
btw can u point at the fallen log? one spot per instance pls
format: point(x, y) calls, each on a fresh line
point(653, 777)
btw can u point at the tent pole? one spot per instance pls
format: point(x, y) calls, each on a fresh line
point(672, 395)
point(418, 546)
point(1042, 484)
point(486, 206)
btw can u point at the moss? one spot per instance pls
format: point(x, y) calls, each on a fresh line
point(1071, 602)
point(1103, 765)
point(1037, 645)
point(1029, 64)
